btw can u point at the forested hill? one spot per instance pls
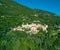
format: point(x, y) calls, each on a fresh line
point(13, 15)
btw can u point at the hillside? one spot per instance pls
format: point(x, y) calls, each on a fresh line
point(14, 17)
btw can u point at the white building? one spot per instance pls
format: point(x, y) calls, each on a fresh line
point(33, 28)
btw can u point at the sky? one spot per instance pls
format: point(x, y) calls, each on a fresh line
point(47, 5)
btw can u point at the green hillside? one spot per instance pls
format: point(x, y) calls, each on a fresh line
point(13, 15)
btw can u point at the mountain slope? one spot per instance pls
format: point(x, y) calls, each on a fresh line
point(13, 15)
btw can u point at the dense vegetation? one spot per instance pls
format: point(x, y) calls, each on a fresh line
point(13, 14)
